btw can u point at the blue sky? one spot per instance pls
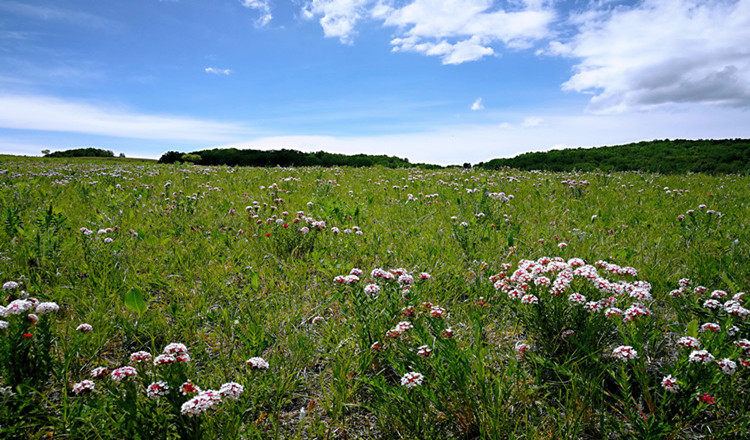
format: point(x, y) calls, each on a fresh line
point(439, 81)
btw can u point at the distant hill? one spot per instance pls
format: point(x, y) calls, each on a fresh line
point(284, 158)
point(660, 156)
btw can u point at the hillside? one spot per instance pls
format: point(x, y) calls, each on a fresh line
point(662, 156)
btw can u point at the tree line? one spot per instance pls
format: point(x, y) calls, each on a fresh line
point(285, 158)
point(679, 156)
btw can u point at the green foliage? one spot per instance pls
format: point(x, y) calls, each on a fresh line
point(82, 152)
point(725, 156)
point(240, 262)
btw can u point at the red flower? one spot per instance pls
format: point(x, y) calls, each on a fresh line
point(27, 335)
point(706, 398)
point(268, 234)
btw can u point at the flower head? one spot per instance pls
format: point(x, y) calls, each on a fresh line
point(412, 379)
point(83, 386)
point(257, 362)
point(140, 356)
point(231, 390)
point(46, 307)
point(625, 353)
point(123, 372)
point(157, 389)
point(670, 384)
point(85, 328)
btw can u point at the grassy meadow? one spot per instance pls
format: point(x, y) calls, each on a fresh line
point(344, 303)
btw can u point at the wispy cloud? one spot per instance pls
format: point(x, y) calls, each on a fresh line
point(661, 52)
point(33, 112)
point(48, 13)
point(477, 105)
point(263, 8)
point(216, 71)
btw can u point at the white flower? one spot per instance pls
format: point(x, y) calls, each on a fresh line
point(700, 357)
point(257, 362)
point(83, 386)
point(47, 307)
point(157, 389)
point(670, 384)
point(231, 390)
point(727, 365)
point(85, 328)
point(625, 353)
point(412, 379)
point(10, 285)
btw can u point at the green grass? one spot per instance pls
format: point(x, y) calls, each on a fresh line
point(188, 263)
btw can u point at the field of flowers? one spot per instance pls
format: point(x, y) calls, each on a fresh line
point(145, 301)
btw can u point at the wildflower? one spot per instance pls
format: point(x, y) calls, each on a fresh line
point(3, 325)
point(529, 299)
point(577, 298)
point(700, 357)
point(157, 389)
point(670, 384)
point(182, 357)
point(743, 343)
point(376, 346)
point(562, 245)
point(231, 390)
point(405, 279)
point(567, 333)
point(424, 351)
point(710, 327)
point(10, 285)
point(372, 289)
point(625, 353)
point(189, 388)
point(46, 307)
point(175, 348)
point(317, 319)
point(521, 349)
point(727, 365)
point(123, 372)
point(635, 310)
point(700, 290)
point(140, 356)
point(356, 272)
point(689, 342)
point(165, 359)
point(99, 372)
point(716, 294)
point(612, 311)
point(201, 403)
point(412, 379)
point(684, 282)
point(593, 306)
point(85, 328)
point(257, 362)
point(33, 318)
point(19, 306)
point(447, 333)
point(437, 312)
point(424, 276)
point(706, 398)
point(712, 304)
point(83, 386)
point(403, 326)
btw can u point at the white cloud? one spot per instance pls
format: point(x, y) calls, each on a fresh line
point(661, 52)
point(477, 105)
point(53, 114)
point(263, 7)
point(338, 17)
point(218, 71)
point(457, 31)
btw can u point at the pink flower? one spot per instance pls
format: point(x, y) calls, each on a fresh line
point(175, 348)
point(231, 390)
point(140, 356)
point(164, 359)
point(670, 384)
point(98, 372)
point(85, 328)
point(123, 372)
point(83, 386)
point(157, 389)
point(625, 353)
point(424, 351)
